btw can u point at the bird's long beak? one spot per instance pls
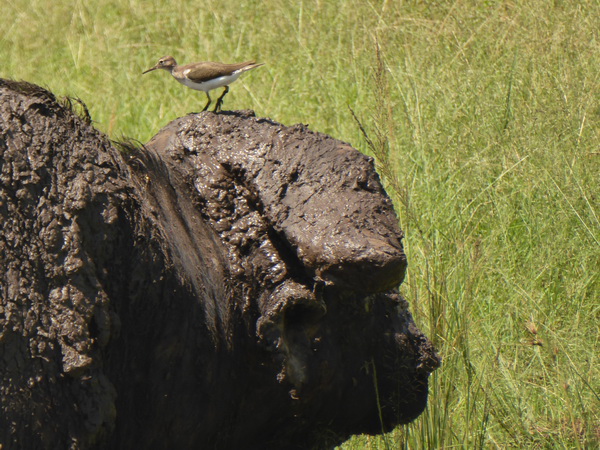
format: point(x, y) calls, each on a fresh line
point(150, 69)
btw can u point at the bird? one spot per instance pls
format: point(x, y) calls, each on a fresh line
point(205, 76)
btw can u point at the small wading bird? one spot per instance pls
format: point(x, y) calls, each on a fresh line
point(205, 76)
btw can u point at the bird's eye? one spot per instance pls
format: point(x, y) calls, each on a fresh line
point(161, 62)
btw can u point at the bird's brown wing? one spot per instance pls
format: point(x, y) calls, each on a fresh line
point(205, 71)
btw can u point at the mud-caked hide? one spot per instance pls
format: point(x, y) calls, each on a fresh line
point(231, 284)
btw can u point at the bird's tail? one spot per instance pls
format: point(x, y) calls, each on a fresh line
point(251, 65)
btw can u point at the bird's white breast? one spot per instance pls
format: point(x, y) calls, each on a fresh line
point(210, 84)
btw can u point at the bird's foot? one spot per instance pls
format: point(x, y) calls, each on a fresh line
point(220, 99)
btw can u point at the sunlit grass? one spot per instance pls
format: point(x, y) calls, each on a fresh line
point(487, 119)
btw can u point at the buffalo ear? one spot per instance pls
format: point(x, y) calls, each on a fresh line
point(287, 325)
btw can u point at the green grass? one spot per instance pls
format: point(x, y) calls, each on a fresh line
point(484, 117)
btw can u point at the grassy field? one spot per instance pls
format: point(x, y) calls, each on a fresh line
point(484, 117)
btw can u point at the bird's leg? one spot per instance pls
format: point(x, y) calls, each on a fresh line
point(208, 103)
point(220, 100)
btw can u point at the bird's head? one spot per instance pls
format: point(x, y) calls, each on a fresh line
point(166, 62)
